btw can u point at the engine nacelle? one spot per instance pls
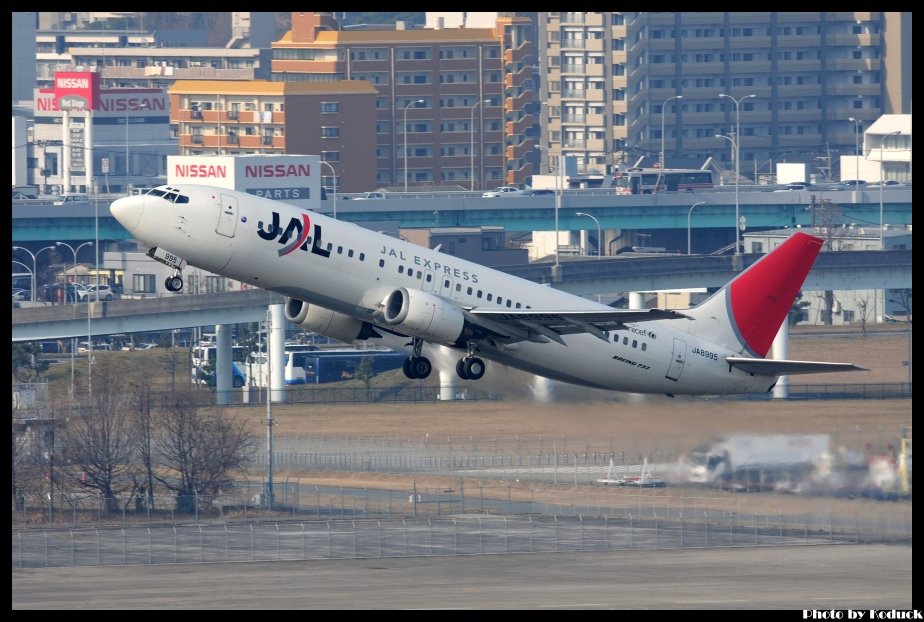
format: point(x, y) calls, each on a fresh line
point(329, 323)
point(420, 314)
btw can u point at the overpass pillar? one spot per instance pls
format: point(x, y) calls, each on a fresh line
point(277, 346)
point(636, 300)
point(780, 350)
point(223, 380)
point(448, 375)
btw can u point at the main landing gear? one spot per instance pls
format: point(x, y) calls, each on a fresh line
point(174, 283)
point(470, 367)
point(417, 367)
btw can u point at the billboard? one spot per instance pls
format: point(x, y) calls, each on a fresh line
point(294, 179)
point(76, 90)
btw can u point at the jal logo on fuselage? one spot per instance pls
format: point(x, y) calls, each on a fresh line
point(294, 236)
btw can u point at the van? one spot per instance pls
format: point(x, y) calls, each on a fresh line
point(70, 198)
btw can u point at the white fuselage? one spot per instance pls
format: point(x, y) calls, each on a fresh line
point(349, 269)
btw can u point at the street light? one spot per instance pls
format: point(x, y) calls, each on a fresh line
point(334, 174)
point(881, 184)
point(34, 268)
point(599, 233)
point(409, 104)
point(663, 112)
point(557, 196)
point(735, 148)
point(73, 340)
point(471, 149)
point(689, 217)
point(134, 108)
point(75, 251)
point(737, 158)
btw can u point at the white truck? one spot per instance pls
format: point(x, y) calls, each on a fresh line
point(760, 461)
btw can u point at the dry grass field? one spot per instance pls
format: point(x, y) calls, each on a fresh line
point(582, 419)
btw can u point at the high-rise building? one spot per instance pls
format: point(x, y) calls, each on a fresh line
point(625, 86)
point(455, 106)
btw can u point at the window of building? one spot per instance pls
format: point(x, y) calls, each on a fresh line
point(144, 283)
point(330, 107)
point(330, 132)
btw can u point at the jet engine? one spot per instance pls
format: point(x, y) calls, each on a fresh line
point(323, 321)
point(424, 315)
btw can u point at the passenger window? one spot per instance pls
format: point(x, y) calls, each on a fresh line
point(400, 269)
point(420, 274)
point(644, 346)
point(508, 303)
point(339, 250)
point(478, 295)
point(489, 297)
point(635, 343)
point(362, 257)
point(458, 286)
point(518, 305)
point(625, 341)
point(381, 262)
point(429, 278)
point(350, 253)
point(500, 300)
point(330, 246)
point(469, 291)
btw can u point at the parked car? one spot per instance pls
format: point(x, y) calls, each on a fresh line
point(503, 191)
point(792, 187)
point(539, 192)
point(71, 199)
point(854, 183)
point(85, 293)
point(886, 183)
point(370, 196)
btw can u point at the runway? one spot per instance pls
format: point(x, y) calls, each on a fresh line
point(792, 578)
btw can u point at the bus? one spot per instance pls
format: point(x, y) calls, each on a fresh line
point(651, 180)
point(316, 366)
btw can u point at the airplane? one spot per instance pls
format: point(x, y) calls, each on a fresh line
point(352, 283)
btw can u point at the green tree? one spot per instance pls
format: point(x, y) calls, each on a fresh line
point(28, 364)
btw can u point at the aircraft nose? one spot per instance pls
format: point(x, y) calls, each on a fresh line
point(127, 211)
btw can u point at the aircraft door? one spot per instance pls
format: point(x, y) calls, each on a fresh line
point(445, 288)
point(678, 357)
point(431, 282)
point(227, 216)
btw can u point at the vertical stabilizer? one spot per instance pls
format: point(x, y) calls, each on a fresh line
point(755, 303)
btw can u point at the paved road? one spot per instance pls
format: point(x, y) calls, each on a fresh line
point(793, 577)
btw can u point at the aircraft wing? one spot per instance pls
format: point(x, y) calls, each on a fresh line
point(527, 324)
point(771, 367)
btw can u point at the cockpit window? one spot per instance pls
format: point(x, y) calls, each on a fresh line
point(182, 198)
point(171, 196)
point(157, 193)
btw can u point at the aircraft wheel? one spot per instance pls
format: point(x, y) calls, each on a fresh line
point(174, 283)
point(408, 371)
point(460, 370)
point(421, 367)
point(474, 368)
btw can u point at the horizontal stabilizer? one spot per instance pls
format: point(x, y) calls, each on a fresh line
point(772, 367)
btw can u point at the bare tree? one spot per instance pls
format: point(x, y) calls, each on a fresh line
point(197, 450)
point(98, 445)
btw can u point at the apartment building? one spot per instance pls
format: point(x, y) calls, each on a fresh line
point(454, 107)
point(333, 119)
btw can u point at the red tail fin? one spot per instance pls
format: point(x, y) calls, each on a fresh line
point(762, 295)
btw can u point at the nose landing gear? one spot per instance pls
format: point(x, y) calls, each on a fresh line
point(174, 283)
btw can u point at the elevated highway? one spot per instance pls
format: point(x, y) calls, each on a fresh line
point(40, 221)
point(837, 271)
